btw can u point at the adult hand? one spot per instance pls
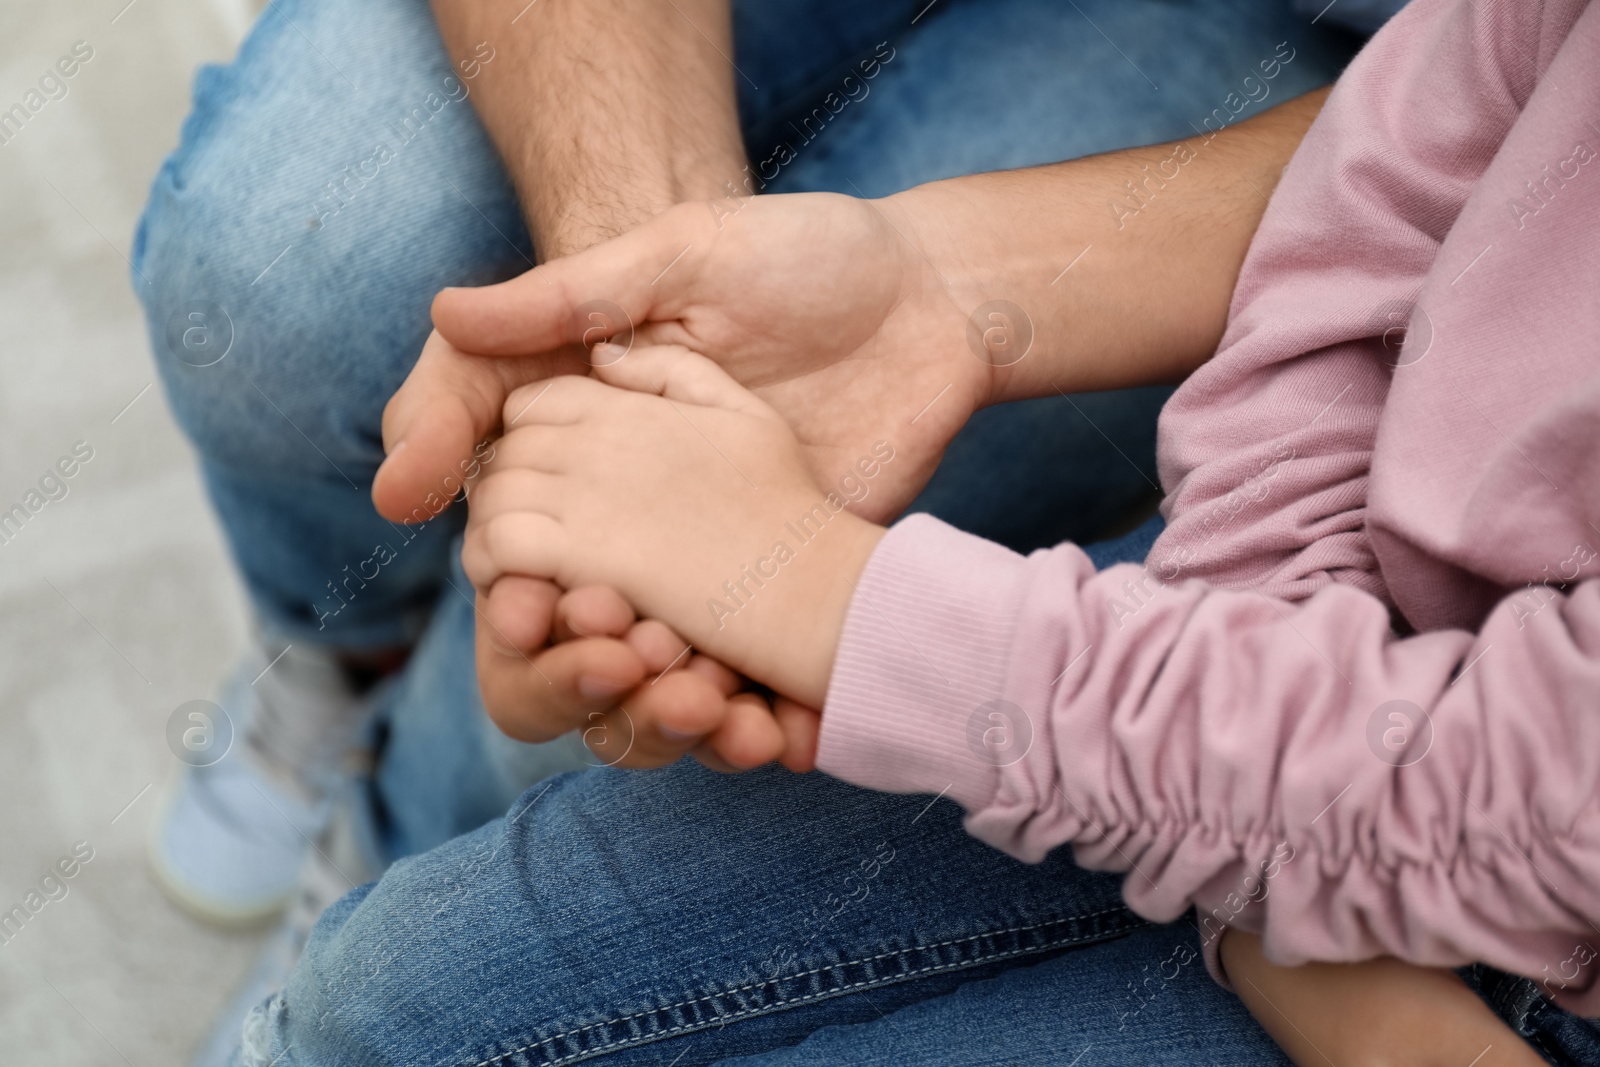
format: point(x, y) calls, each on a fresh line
point(633, 689)
point(821, 304)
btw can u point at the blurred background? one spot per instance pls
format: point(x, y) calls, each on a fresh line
point(110, 973)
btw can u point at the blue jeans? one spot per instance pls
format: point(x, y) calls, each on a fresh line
point(641, 916)
point(684, 918)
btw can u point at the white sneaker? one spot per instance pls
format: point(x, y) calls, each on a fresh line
point(344, 858)
point(232, 838)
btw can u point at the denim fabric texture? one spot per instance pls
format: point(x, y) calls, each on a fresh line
point(685, 917)
point(1562, 1038)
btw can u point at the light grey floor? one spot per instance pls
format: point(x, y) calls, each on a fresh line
point(116, 602)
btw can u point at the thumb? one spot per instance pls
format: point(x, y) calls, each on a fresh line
point(676, 373)
point(443, 408)
point(599, 293)
point(431, 426)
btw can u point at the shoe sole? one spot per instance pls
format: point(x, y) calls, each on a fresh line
point(208, 909)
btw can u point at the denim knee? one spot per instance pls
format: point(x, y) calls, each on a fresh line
point(329, 181)
point(394, 965)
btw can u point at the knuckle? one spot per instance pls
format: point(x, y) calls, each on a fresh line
point(491, 498)
point(475, 561)
point(501, 535)
point(517, 401)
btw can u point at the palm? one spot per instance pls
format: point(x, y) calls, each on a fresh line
point(824, 309)
point(818, 303)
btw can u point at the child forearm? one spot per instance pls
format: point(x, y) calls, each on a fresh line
point(1381, 1011)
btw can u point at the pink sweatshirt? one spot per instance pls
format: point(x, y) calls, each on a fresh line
point(1352, 701)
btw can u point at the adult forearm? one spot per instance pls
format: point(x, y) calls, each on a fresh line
point(1123, 263)
point(605, 112)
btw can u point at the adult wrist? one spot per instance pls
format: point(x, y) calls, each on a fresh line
point(565, 225)
point(948, 264)
point(1101, 299)
point(988, 245)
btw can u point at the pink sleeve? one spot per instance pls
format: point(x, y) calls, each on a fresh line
point(1236, 725)
point(1010, 685)
point(1266, 450)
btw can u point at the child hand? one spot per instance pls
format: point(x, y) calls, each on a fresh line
point(1374, 1012)
point(694, 503)
point(631, 688)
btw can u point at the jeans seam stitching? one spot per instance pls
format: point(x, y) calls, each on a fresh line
point(800, 1000)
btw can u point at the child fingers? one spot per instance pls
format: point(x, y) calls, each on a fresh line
point(515, 489)
point(559, 401)
point(593, 611)
point(536, 446)
point(518, 613)
point(518, 542)
point(749, 736)
point(676, 373)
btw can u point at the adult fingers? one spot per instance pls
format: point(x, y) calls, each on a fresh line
point(433, 425)
point(802, 728)
point(539, 697)
point(661, 648)
point(594, 611)
point(726, 681)
point(656, 724)
point(749, 736)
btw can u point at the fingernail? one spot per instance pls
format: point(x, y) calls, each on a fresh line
point(399, 446)
point(598, 688)
point(678, 735)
